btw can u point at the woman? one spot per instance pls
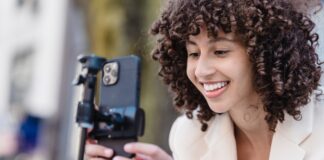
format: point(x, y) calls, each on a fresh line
point(246, 75)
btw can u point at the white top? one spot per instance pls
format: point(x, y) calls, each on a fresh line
point(293, 140)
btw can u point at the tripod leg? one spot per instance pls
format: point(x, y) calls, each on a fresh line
point(82, 143)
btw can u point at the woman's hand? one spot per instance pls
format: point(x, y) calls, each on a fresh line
point(94, 151)
point(144, 151)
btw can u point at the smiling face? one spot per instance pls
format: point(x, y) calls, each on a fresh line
point(221, 70)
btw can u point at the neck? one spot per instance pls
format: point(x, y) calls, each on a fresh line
point(250, 127)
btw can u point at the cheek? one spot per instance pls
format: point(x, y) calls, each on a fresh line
point(245, 78)
point(190, 72)
point(243, 68)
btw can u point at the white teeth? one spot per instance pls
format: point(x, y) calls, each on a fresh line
point(214, 86)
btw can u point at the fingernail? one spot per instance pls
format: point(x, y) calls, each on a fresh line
point(115, 158)
point(128, 146)
point(108, 152)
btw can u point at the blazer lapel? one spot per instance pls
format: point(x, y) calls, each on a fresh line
point(290, 134)
point(220, 139)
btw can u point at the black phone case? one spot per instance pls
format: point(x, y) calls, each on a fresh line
point(126, 91)
point(122, 96)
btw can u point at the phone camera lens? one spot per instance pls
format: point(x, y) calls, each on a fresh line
point(108, 68)
point(106, 79)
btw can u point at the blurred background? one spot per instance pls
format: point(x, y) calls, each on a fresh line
point(39, 43)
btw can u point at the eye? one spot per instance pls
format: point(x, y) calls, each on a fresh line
point(221, 52)
point(193, 55)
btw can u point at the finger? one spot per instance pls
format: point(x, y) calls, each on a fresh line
point(94, 150)
point(120, 158)
point(91, 141)
point(143, 148)
point(96, 158)
point(140, 156)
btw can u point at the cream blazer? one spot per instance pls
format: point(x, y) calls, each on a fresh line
point(293, 140)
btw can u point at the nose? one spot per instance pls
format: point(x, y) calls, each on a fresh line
point(205, 68)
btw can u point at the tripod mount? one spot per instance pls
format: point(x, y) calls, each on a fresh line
point(113, 126)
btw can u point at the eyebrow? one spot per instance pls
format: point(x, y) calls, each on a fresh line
point(213, 40)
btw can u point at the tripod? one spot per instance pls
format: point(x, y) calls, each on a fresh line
point(85, 111)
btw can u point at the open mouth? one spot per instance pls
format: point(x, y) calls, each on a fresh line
point(215, 86)
point(213, 90)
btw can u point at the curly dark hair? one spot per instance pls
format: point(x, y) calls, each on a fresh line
point(278, 38)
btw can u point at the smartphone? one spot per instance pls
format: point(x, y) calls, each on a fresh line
point(120, 119)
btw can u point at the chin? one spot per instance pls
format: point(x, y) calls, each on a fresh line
point(218, 108)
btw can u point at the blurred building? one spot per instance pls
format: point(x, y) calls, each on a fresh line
point(39, 42)
point(319, 20)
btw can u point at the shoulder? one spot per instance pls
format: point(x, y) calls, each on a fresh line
point(180, 129)
point(186, 140)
